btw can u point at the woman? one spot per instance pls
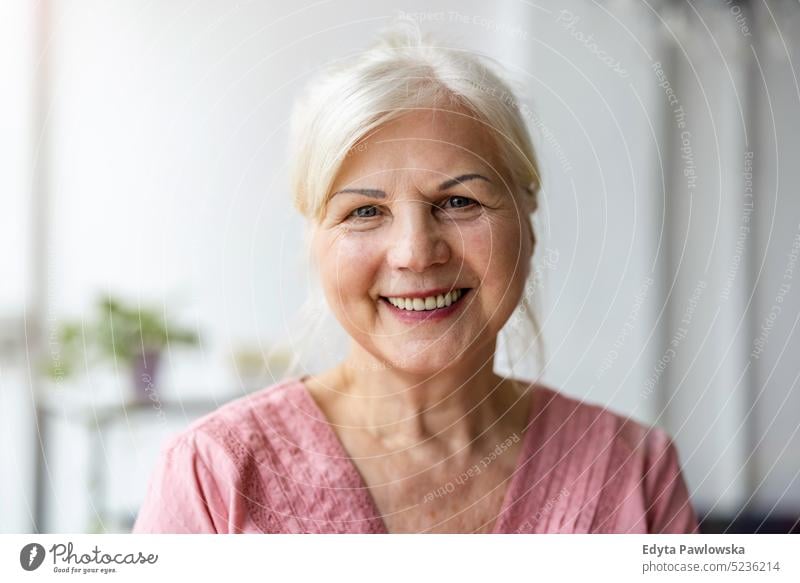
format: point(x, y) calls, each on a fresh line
point(418, 179)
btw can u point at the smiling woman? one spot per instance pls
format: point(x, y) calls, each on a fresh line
point(418, 183)
point(422, 210)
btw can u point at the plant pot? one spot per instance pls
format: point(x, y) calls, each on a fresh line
point(145, 373)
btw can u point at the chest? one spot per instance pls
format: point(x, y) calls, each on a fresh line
point(437, 497)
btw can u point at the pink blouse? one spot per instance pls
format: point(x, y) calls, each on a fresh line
point(270, 463)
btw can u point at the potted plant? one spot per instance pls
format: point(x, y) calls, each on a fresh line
point(121, 333)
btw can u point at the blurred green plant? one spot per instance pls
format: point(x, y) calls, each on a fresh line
point(119, 333)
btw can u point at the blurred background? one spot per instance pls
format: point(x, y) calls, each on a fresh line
point(152, 264)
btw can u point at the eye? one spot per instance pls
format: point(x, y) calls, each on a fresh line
point(461, 202)
point(364, 212)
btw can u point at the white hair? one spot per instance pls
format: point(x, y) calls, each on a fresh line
point(402, 72)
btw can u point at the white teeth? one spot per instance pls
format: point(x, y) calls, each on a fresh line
point(425, 304)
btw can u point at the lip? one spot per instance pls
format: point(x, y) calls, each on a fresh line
point(412, 316)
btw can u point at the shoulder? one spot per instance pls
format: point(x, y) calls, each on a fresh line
point(219, 474)
point(250, 423)
point(275, 403)
point(589, 421)
point(634, 466)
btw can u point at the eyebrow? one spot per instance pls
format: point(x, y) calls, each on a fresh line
point(463, 178)
point(376, 193)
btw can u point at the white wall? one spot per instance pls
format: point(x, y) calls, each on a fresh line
point(17, 143)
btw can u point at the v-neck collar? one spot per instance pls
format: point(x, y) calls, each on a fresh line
point(357, 482)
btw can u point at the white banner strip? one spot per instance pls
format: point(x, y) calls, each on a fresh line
point(351, 558)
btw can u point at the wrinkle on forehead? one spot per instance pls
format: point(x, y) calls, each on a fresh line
point(437, 142)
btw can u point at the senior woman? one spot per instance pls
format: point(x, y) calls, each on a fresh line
point(418, 178)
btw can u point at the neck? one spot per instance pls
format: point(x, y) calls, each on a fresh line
point(456, 409)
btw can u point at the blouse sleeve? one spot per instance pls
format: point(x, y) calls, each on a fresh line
point(669, 507)
point(182, 494)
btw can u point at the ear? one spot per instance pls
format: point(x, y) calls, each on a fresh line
point(530, 198)
point(532, 236)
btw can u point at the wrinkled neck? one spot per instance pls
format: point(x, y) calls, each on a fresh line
point(459, 407)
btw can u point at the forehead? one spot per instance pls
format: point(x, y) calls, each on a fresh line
point(439, 142)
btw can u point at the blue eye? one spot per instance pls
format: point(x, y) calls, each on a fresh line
point(464, 202)
point(359, 215)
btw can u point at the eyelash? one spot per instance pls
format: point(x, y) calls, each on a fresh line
point(473, 202)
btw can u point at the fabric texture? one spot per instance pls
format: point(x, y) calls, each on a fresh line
point(270, 463)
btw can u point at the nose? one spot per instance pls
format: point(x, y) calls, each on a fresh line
point(417, 240)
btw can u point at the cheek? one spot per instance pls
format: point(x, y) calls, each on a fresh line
point(349, 270)
point(496, 244)
point(498, 256)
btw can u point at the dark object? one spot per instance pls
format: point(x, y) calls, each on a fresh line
point(750, 524)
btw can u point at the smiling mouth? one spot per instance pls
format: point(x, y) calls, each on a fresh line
point(429, 304)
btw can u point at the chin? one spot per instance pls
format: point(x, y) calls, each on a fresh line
point(422, 364)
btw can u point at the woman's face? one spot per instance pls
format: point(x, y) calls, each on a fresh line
point(419, 208)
